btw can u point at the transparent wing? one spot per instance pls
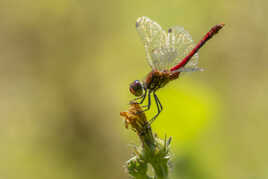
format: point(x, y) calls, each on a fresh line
point(181, 42)
point(165, 50)
point(154, 39)
point(188, 69)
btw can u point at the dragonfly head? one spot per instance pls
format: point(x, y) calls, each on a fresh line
point(136, 88)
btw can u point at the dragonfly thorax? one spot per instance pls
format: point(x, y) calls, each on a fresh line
point(158, 79)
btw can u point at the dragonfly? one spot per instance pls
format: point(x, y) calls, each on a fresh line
point(169, 54)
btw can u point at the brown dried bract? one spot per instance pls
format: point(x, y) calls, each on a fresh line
point(135, 117)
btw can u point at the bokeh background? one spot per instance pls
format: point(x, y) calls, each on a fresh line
point(65, 67)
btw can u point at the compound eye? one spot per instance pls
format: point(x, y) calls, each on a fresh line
point(136, 88)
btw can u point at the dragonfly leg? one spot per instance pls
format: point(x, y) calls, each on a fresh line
point(160, 105)
point(135, 99)
point(149, 102)
point(159, 108)
point(143, 97)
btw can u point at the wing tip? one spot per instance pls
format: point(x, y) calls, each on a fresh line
point(141, 19)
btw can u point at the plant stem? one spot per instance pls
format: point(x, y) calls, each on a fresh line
point(152, 150)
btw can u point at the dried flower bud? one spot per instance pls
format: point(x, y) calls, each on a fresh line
point(136, 118)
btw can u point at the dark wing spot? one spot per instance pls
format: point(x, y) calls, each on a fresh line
point(137, 24)
point(169, 30)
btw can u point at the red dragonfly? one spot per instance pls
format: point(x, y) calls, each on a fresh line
point(168, 53)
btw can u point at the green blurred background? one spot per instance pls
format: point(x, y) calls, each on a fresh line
point(65, 69)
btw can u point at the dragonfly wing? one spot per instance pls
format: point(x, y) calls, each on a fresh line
point(188, 69)
point(182, 43)
point(155, 41)
point(165, 50)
